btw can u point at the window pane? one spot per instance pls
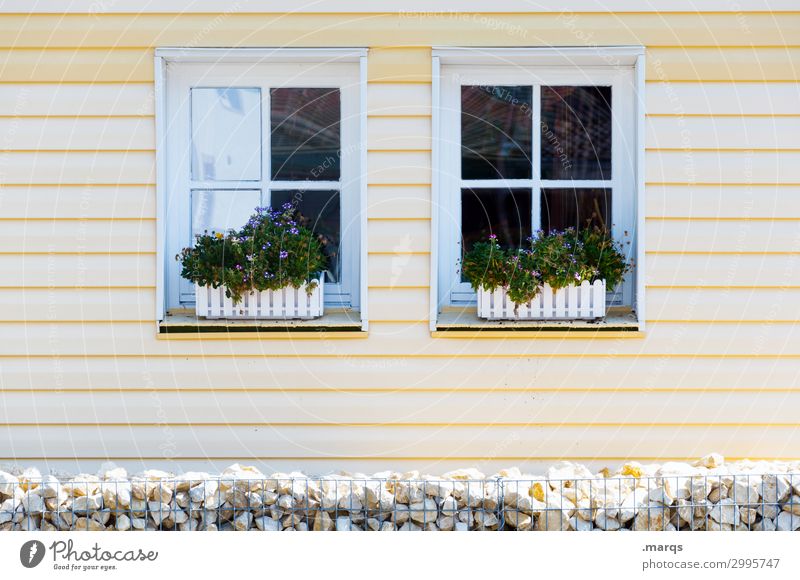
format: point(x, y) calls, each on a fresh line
point(305, 134)
point(575, 208)
point(505, 213)
point(321, 213)
point(576, 132)
point(220, 210)
point(496, 132)
point(226, 134)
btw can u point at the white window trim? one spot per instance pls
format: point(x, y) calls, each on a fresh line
point(552, 57)
point(163, 56)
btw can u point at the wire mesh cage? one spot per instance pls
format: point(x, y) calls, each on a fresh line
point(762, 502)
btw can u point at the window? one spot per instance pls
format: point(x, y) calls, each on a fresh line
point(246, 128)
point(533, 139)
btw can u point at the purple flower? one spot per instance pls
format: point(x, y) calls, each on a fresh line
point(492, 237)
point(284, 254)
point(287, 205)
point(294, 231)
point(267, 245)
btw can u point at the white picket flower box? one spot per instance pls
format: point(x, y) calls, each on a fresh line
point(584, 302)
point(286, 303)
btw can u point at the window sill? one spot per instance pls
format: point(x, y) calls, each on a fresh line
point(337, 323)
point(464, 323)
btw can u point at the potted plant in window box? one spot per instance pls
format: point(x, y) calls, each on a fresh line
point(561, 275)
point(269, 269)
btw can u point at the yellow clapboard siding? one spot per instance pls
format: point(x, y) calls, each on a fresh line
point(136, 168)
point(398, 270)
point(78, 304)
point(399, 100)
point(78, 236)
point(673, 440)
point(722, 64)
point(723, 133)
point(688, 304)
point(399, 236)
point(78, 133)
point(398, 304)
point(398, 339)
point(43, 99)
point(396, 65)
point(78, 202)
point(723, 236)
point(673, 269)
point(399, 65)
point(753, 201)
point(722, 167)
point(723, 99)
point(401, 201)
point(399, 167)
point(401, 374)
point(437, 28)
point(79, 270)
point(454, 407)
point(399, 133)
point(70, 65)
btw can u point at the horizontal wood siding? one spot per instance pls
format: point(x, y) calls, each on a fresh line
point(82, 372)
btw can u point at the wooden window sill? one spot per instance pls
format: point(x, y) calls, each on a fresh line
point(336, 323)
point(620, 322)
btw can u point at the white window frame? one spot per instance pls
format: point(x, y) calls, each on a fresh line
point(618, 67)
point(178, 69)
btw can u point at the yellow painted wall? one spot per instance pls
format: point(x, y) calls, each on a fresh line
point(83, 374)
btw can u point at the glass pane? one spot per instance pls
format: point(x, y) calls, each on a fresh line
point(321, 213)
point(305, 134)
point(506, 213)
point(576, 132)
point(226, 134)
point(220, 210)
point(575, 208)
point(496, 127)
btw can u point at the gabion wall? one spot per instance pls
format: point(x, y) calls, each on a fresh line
point(707, 495)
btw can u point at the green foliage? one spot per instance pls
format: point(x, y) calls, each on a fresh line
point(558, 258)
point(271, 251)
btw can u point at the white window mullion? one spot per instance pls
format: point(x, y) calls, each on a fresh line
point(536, 155)
point(305, 185)
point(266, 145)
point(497, 183)
point(578, 183)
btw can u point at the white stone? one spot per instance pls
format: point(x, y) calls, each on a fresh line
point(267, 524)
point(8, 483)
point(774, 488)
point(793, 505)
point(712, 460)
point(7, 510)
point(87, 503)
point(424, 511)
point(344, 524)
point(243, 521)
point(787, 522)
point(32, 503)
point(122, 523)
point(725, 512)
point(605, 522)
point(580, 525)
point(323, 522)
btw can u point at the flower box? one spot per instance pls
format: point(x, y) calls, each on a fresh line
point(285, 303)
point(584, 302)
